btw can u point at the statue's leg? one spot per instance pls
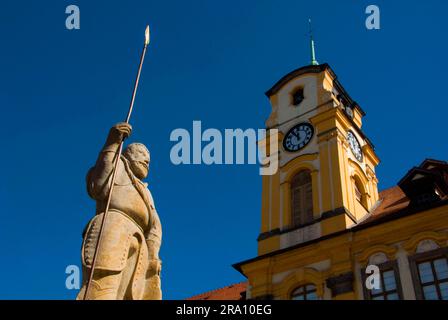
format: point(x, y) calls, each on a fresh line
point(104, 286)
point(125, 291)
point(81, 292)
point(108, 282)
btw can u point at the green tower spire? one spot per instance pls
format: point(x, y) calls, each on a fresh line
point(313, 53)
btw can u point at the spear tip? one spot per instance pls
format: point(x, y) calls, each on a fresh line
point(147, 35)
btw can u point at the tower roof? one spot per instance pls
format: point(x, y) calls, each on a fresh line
point(313, 69)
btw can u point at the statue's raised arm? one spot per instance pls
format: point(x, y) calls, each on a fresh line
point(98, 177)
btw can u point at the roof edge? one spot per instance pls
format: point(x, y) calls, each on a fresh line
point(295, 73)
point(217, 290)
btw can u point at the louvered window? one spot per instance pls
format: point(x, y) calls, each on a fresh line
point(302, 198)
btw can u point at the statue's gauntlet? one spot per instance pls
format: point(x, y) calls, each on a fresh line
point(155, 265)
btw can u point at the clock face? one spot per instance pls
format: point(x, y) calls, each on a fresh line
point(298, 137)
point(354, 146)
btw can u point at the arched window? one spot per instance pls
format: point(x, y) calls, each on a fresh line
point(298, 97)
point(301, 198)
point(359, 193)
point(306, 292)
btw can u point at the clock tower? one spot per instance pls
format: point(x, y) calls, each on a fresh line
point(326, 181)
point(326, 233)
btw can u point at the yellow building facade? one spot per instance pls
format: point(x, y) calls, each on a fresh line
point(323, 221)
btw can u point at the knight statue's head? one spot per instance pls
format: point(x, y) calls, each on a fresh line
point(139, 157)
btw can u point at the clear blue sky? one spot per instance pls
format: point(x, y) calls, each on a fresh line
point(61, 90)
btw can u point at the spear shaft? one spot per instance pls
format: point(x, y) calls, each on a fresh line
point(114, 173)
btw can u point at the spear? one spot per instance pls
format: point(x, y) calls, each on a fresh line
point(114, 174)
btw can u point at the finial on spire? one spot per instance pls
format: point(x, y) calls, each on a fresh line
point(313, 53)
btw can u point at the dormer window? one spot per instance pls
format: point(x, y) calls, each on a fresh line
point(427, 183)
point(297, 97)
point(426, 198)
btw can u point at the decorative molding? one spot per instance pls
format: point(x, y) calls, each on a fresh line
point(331, 133)
point(299, 278)
point(438, 237)
point(389, 251)
point(301, 235)
point(358, 171)
point(370, 172)
point(426, 245)
point(337, 212)
point(268, 234)
point(301, 162)
point(325, 215)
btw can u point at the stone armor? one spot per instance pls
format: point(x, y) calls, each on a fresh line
point(127, 265)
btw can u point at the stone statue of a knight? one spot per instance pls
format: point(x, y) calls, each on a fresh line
point(128, 265)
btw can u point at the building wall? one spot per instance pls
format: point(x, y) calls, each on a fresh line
point(278, 275)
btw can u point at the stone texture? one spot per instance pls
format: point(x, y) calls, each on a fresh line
point(128, 265)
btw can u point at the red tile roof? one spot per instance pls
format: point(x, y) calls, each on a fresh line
point(232, 292)
point(392, 201)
